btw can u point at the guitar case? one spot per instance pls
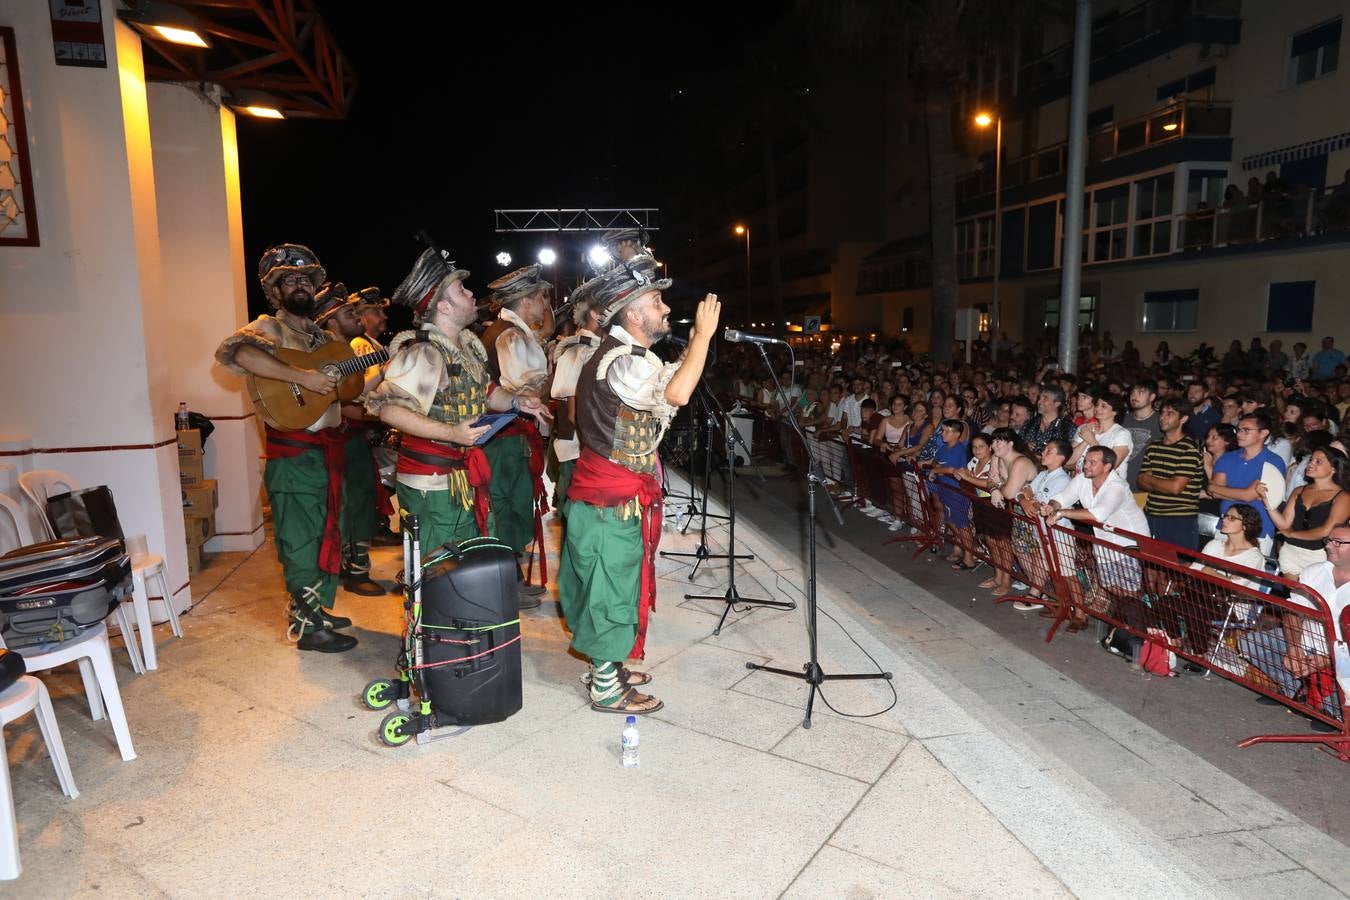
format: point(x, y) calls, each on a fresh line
point(55, 590)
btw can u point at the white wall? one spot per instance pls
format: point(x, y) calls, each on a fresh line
point(83, 309)
point(201, 242)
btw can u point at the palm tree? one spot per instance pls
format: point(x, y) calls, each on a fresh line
point(935, 39)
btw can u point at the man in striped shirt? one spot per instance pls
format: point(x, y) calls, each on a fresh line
point(1172, 473)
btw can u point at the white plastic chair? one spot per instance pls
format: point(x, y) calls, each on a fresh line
point(41, 484)
point(94, 654)
point(25, 537)
point(24, 696)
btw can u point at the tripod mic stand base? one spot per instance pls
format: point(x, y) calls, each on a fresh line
point(731, 598)
point(813, 675)
point(701, 554)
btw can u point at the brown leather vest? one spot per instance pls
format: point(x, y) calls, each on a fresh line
point(607, 425)
point(490, 334)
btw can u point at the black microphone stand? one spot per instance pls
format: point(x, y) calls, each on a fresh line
point(701, 553)
point(811, 672)
point(732, 597)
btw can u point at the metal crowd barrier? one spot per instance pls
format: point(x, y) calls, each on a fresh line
point(1239, 623)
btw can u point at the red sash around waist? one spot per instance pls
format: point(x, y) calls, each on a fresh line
point(602, 482)
point(422, 456)
point(290, 444)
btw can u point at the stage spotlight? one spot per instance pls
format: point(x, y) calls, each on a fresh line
point(599, 257)
point(547, 257)
point(503, 258)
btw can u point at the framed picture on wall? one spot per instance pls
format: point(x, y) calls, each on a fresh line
point(18, 212)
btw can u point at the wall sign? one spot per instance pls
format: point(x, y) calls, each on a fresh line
point(77, 33)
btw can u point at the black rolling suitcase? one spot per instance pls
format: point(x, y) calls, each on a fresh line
point(52, 591)
point(470, 654)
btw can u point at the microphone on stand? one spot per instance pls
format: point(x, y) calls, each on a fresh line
point(741, 337)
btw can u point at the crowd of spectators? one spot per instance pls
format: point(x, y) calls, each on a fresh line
point(1239, 457)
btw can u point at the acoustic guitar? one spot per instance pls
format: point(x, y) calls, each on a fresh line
point(287, 406)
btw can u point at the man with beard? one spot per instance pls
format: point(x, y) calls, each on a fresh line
point(570, 355)
point(303, 474)
point(626, 398)
point(339, 314)
point(518, 363)
point(436, 385)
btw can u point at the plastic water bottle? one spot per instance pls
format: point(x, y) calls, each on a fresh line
point(181, 421)
point(630, 743)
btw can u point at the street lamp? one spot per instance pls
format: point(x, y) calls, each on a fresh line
point(984, 120)
point(745, 230)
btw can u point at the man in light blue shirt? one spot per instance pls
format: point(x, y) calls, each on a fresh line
point(1325, 361)
point(1237, 472)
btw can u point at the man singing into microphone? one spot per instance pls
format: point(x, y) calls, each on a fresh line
point(625, 400)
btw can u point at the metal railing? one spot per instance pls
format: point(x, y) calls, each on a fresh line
point(1177, 120)
point(1299, 213)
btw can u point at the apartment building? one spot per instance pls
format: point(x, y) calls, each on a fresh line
point(1217, 203)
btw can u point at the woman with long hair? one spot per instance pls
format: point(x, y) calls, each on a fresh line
point(1312, 511)
point(890, 433)
point(1220, 439)
point(1012, 470)
point(977, 473)
point(917, 434)
point(1106, 431)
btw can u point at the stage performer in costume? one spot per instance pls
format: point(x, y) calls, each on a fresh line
point(338, 312)
point(436, 385)
point(303, 474)
point(570, 355)
point(625, 400)
point(517, 361)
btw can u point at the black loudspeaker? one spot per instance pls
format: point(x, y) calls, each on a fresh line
point(472, 659)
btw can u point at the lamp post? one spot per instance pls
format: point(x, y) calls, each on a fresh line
point(984, 120)
point(745, 230)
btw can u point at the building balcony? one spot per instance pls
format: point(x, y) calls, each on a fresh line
point(1133, 37)
point(1180, 131)
point(1300, 213)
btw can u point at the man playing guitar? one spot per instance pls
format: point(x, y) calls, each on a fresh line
point(303, 474)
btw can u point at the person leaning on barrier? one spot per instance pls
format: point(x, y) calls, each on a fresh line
point(1297, 655)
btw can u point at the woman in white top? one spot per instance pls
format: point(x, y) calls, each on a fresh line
point(1106, 431)
point(1236, 543)
point(891, 432)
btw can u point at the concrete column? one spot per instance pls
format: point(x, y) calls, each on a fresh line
point(91, 378)
point(202, 252)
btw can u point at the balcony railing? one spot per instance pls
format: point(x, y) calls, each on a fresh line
point(1298, 213)
point(1131, 27)
point(1184, 118)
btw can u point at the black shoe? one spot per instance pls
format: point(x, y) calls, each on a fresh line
point(363, 585)
point(325, 640)
point(526, 601)
point(1267, 701)
point(386, 539)
point(1193, 668)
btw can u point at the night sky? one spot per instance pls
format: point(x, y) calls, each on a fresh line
point(451, 120)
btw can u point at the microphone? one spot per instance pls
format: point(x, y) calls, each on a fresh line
point(739, 337)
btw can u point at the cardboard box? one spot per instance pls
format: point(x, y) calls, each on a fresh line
point(196, 559)
point(190, 442)
point(198, 529)
point(191, 458)
point(190, 471)
point(200, 499)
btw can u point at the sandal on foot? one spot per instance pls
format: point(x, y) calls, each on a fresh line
point(631, 703)
point(962, 567)
point(629, 677)
point(988, 583)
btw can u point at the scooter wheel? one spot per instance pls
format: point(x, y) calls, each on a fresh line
point(378, 694)
point(394, 731)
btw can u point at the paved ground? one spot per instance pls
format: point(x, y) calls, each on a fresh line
point(1163, 748)
point(259, 774)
